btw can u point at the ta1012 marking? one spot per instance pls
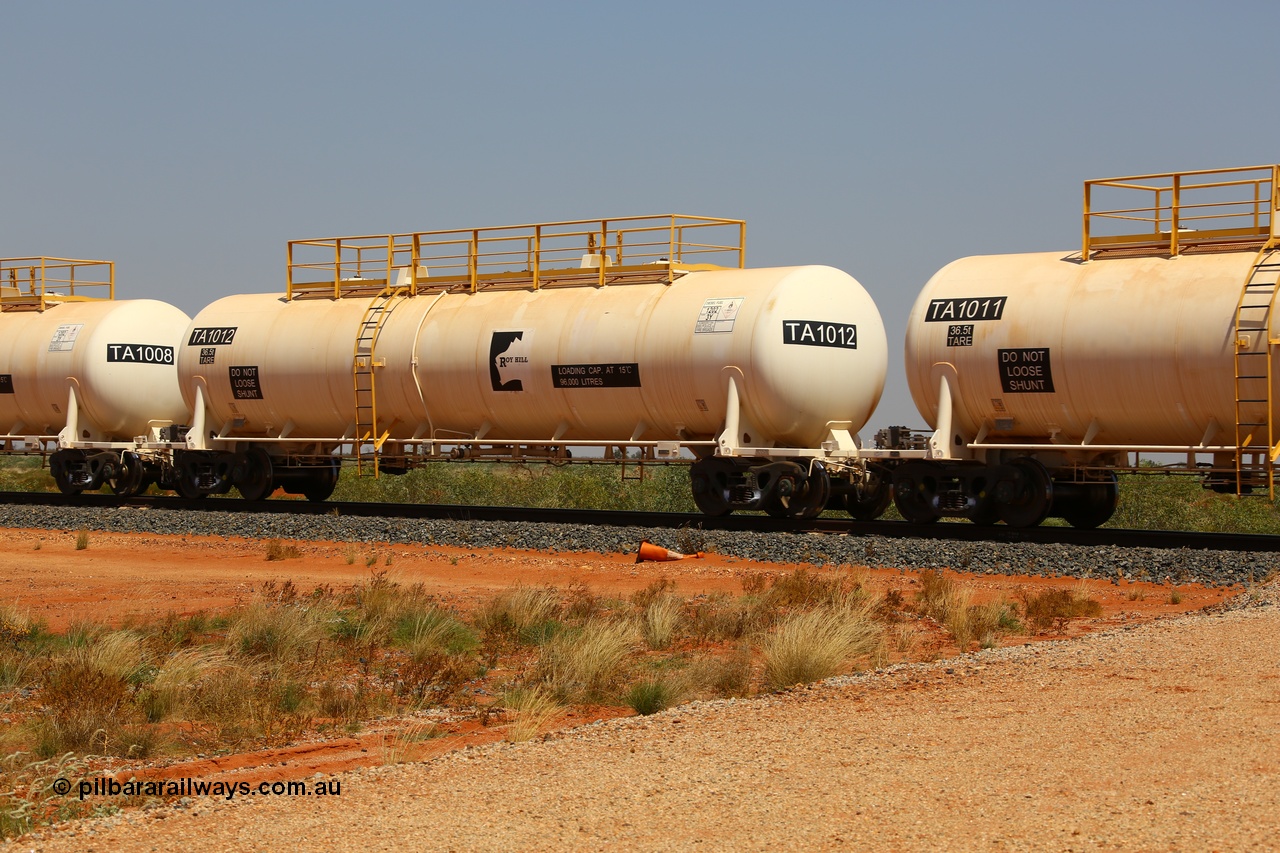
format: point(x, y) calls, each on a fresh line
point(817, 333)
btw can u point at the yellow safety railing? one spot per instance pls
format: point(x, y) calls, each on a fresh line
point(32, 283)
point(1173, 212)
point(578, 252)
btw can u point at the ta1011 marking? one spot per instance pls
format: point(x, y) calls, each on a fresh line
point(973, 308)
point(817, 333)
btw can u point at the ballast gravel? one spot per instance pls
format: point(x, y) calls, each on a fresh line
point(1182, 565)
point(1160, 737)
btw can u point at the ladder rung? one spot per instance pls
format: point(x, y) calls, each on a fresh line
point(1263, 376)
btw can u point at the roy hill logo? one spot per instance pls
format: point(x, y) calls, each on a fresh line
point(509, 360)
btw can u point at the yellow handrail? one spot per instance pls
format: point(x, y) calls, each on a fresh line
point(1232, 209)
point(34, 282)
point(582, 251)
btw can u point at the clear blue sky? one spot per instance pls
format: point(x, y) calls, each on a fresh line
point(189, 142)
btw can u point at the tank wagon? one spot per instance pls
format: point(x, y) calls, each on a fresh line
point(645, 335)
point(86, 380)
point(1044, 374)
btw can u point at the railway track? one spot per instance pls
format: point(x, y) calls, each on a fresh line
point(957, 532)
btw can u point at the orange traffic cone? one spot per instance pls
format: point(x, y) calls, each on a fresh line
point(652, 553)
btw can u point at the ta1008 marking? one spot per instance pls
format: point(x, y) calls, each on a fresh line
point(960, 336)
point(246, 382)
point(974, 308)
point(140, 353)
point(1025, 370)
point(817, 333)
point(6, 383)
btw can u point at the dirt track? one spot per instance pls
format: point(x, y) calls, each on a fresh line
point(1165, 736)
point(1018, 748)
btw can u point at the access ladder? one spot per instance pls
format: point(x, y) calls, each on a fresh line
point(363, 364)
point(1253, 344)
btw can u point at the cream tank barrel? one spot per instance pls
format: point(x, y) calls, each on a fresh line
point(121, 355)
point(622, 362)
point(1118, 351)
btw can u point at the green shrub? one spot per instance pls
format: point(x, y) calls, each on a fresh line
point(652, 695)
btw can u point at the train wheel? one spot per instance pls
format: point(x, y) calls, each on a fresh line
point(774, 507)
point(874, 499)
point(128, 479)
point(60, 465)
point(815, 496)
point(321, 483)
point(986, 514)
point(807, 501)
point(913, 493)
point(708, 478)
point(186, 487)
point(1026, 499)
point(253, 475)
point(1096, 505)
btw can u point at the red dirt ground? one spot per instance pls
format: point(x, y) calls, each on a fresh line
point(123, 577)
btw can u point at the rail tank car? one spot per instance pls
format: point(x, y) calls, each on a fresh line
point(1041, 373)
point(762, 365)
point(91, 375)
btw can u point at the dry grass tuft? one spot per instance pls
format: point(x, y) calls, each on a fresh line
point(724, 676)
point(1056, 606)
point(520, 613)
point(277, 550)
point(940, 597)
point(279, 632)
point(532, 709)
point(87, 699)
point(586, 662)
point(819, 643)
point(661, 620)
point(178, 681)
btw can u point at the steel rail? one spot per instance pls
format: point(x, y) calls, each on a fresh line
point(955, 531)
